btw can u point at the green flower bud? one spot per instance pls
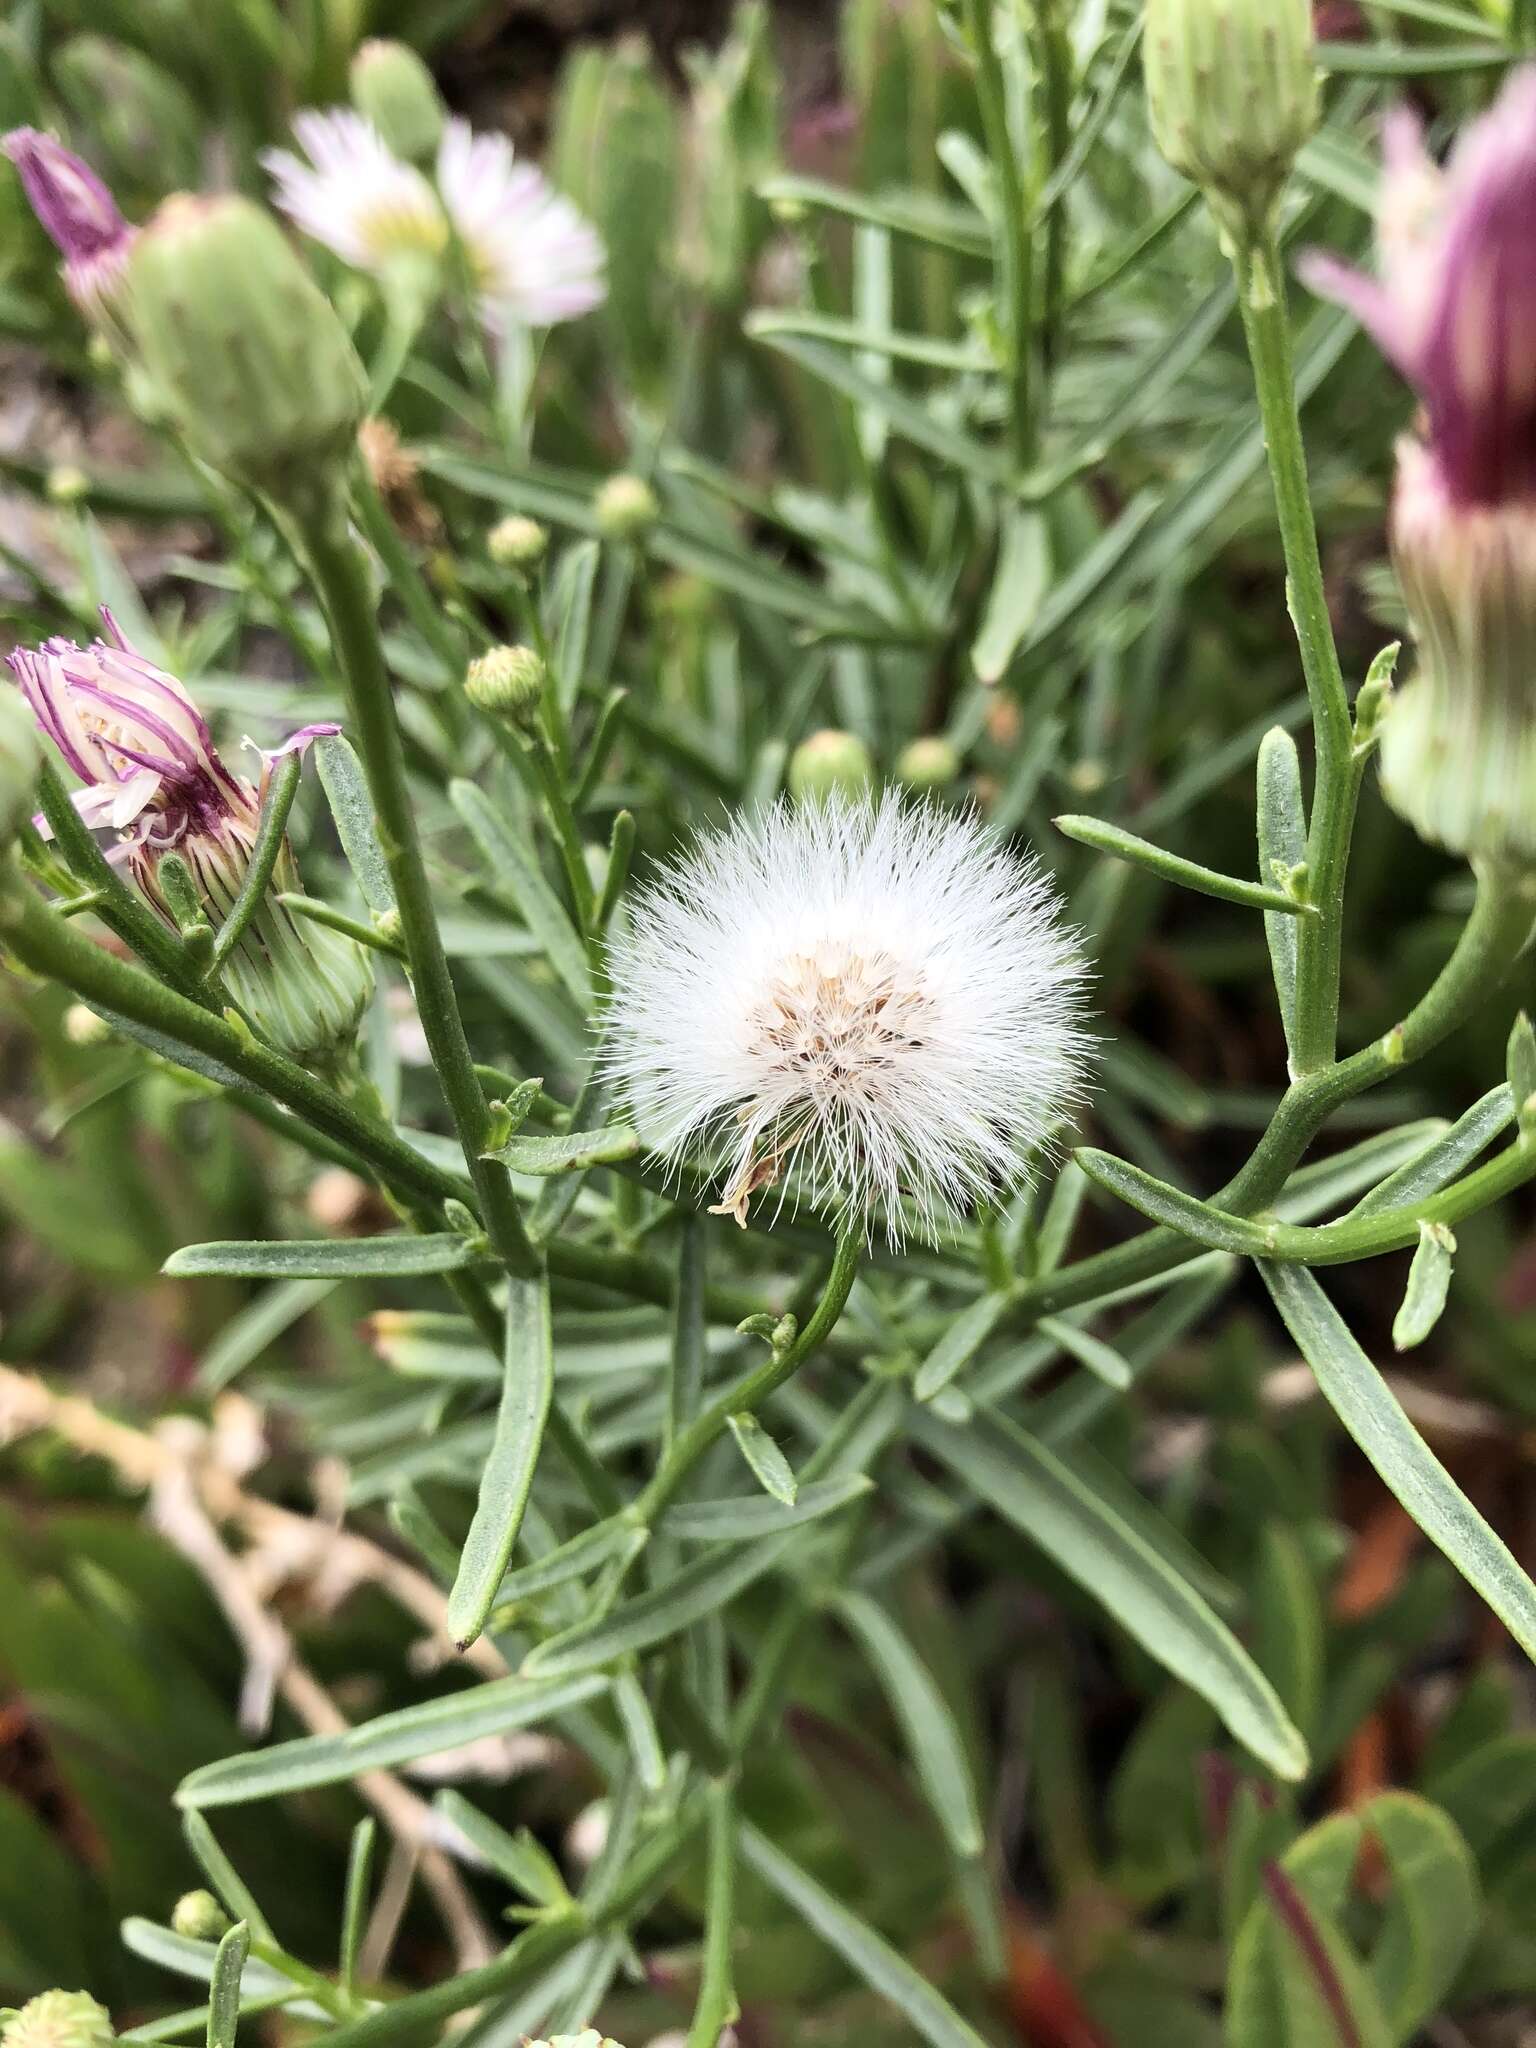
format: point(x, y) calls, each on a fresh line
point(516, 542)
point(57, 2019)
point(508, 682)
point(244, 350)
point(66, 484)
point(199, 1916)
point(1233, 93)
point(830, 763)
point(21, 760)
point(930, 763)
point(626, 507)
point(391, 85)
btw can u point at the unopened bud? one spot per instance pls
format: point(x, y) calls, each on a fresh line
point(508, 682)
point(199, 1916)
point(1233, 94)
point(516, 542)
point(243, 348)
point(830, 763)
point(57, 2019)
point(929, 763)
point(393, 88)
point(626, 507)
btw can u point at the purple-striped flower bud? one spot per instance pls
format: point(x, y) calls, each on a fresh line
point(150, 772)
point(1454, 309)
point(77, 211)
point(1454, 304)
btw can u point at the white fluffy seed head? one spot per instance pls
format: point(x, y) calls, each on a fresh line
point(875, 995)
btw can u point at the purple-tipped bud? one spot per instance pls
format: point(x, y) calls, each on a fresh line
point(1454, 304)
point(150, 771)
point(77, 211)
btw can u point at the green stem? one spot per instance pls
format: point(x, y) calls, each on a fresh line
point(44, 941)
point(1015, 260)
point(716, 2005)
point(1261, 294)
point(405, 579)
point(1491, 941)
point(749, 1392)
point(340, 582)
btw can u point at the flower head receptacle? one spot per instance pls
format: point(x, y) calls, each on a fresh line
point(392, 87)
point(149, 771)
point(870, 1002)
point(1453, 308)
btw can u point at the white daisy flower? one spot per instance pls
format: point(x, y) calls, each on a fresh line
point(532, 257)
point(877, 994)
point(354, 195)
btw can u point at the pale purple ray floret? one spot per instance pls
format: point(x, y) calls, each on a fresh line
point(76, 210)
point(138, 744)
point(1454, 304)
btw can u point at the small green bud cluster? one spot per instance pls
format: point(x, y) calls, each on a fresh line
point(517, 543)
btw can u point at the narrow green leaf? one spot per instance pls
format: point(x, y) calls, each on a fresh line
point(233, 1893)
point(769, 1466)
point(1164, 1204)
point(346, 791)
point(935, 1742)
point(1019, 584)
point(571, 1560)
point(570, 606)
point(916, 213)
point(961, 1340)
point(744, 1518)
point(494, 1708)
point(248, 1333)
point(1282, 835)
point(1521, 1062)
point(653, 1616)
point(270, 830)
point(1031, 1488)
point(515, 868)
point(868, 1954)
point(639, 1725)
point(1101, 1359)
point(354, 1910)
point(521, 1858)
point(224, 1987)
point(527, 1387)
point(1369, 1410)
point(569, 1152)
point(1429, 1282)
point(405, 1256)
point(1172, 867)
point(1431, 1166)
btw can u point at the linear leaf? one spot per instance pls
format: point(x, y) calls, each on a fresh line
point(651, 1617)
point(527, 1387)
point(346, 791)
point(743, 1518)
point(399, 1256)
point(868, 1954)
point(1369, 1410)
point(224, 1986)
point(768, 1464)
point(1172, 867)
point(569, 1151)
point(398, 1738)
point(1031, 1487)
point(515, 868)
point(926, 1720)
